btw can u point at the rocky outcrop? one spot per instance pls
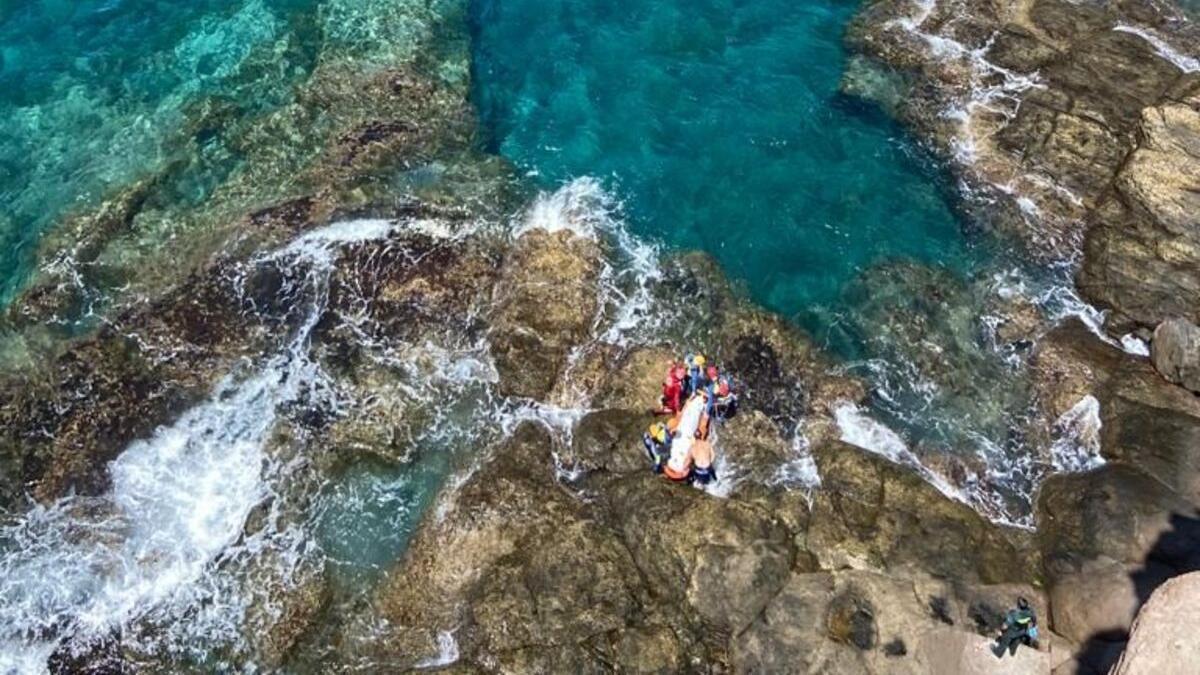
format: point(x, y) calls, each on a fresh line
point(1109, 537)
point(865, 622)
point(1162, 640)
point(546, 301)
point(873, 514)
point(1175, 352)
point(1143, 250)
point(1082, 118)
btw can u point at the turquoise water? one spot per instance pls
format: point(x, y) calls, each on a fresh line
point(720, 126)
point(95, 94)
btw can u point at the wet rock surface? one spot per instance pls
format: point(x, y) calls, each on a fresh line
point(546, 301)
point(1082, 116)
point(554, 549)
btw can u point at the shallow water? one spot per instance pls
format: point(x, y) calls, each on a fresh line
point(717, 125)
point(720, 126)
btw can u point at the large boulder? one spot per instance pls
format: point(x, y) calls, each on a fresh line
point(1108, 539)
point(1175, 352)
point(1144, 259)
point(545, 304)
point(864, 622)
point(722, 560)
point(871, 513)
point(1163, 640)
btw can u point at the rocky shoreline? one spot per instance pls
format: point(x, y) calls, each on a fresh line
point(553, 549)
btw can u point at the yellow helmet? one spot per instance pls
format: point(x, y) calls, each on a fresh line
point(658, 431)
point(698, 360)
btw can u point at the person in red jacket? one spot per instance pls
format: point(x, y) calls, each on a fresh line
point(672, 388)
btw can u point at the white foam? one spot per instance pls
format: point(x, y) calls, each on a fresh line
point(800, 470)
point(1134, 345)
point(83, 567)
point(1062, 301)
point(581, 206)
point(1077, 438)
point(447, 652)
point(861, 430)
point(1187, 64)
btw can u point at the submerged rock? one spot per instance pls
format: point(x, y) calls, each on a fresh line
point(1046, 107)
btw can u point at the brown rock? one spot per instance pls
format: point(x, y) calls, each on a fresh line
point(545, 303)
point(1162, 641)
point(871, 513)
point(1175, 352)
point(722, 559)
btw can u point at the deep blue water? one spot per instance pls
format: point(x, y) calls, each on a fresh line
point(719, 125)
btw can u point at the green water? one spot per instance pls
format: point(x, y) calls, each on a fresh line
point(720, 125)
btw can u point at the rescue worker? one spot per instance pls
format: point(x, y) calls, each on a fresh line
point(672, 390)
point(725, 402)
point(657, 441)
point(695, 374)
point(1020, 626)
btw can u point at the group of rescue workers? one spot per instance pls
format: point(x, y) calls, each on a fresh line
point(695, 397)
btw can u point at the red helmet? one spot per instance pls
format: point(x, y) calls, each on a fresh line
point(712, 372)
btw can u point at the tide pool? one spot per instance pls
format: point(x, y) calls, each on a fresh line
point(720, 126)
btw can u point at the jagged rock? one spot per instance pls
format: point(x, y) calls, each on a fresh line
point(1146, 422)
point(610, 440)
point(864, 622)
point(873, 514)
point(1175, 352)
point(722, 559)
point(1143, 259)
point(1162, 641)
point(545, 303)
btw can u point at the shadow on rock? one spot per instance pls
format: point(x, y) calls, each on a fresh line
point(1175, 553)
